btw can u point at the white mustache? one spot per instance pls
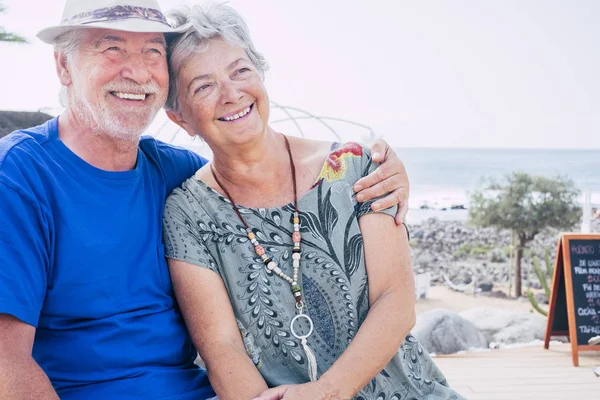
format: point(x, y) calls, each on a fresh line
point(131, 87)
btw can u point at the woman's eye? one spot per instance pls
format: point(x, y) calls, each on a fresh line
point(113, 48)
point(243, 69)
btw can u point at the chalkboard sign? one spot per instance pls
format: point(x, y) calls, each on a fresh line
point(575, 297)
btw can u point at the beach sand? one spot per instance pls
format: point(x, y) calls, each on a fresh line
point(443, 297)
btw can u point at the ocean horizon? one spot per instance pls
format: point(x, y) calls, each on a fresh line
point(442, 178)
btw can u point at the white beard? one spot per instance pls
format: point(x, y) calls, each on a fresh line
point(126, 124)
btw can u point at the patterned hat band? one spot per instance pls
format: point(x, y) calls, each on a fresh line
point(117, 13)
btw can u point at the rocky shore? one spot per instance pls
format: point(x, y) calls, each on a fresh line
point(473, 258)
point(474, 267)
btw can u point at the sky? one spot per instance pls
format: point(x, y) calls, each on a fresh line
point(445, 73)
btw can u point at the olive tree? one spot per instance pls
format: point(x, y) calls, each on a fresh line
point(526, 205)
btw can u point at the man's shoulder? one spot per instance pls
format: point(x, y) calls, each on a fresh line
point(166, 152)
point(176, 163)
point(25, 143)
point(151, 144)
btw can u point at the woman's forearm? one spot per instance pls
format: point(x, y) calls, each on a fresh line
point(232, 374)
point(374, 345)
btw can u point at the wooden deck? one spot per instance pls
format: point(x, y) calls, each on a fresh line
point(528, 373)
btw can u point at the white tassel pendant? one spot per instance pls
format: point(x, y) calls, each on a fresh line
point(312, 361)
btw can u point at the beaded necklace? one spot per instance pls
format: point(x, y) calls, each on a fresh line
point(271, 265)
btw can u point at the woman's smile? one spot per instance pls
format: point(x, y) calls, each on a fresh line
point(237, 116)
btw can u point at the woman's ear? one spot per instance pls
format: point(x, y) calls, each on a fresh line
point(177, 117)
point(63, 69)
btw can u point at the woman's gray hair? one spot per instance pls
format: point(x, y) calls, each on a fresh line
point(206, 22)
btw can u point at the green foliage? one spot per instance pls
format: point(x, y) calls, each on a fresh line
point(471, 250)
point(545, 278)
point(525, 203)
point(7, 36)
point(535, 304)
point(498, 256)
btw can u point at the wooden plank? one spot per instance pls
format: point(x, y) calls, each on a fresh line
point(522, 373)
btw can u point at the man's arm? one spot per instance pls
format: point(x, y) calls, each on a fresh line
point(21, 378)
point(389, 178)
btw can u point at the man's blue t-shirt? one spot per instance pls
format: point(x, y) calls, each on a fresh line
point(81, 259)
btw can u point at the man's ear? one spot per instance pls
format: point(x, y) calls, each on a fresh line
point(177, 117)
point(63, 69)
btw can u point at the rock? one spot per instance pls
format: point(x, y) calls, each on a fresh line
point(485, 286)
point(541, 298)
point(497, 294)
point(445, 332)
point(535, 285)
point(504, 326)
point(417, 234)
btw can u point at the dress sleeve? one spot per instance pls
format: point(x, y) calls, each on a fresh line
point(24, 256)
point(183, 232)
point(365, 166)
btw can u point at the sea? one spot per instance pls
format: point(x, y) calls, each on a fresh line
point(442, 178)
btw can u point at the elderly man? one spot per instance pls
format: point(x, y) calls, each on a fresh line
point(86, 302)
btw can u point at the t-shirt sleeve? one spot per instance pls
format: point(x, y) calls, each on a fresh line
point(177, 163)
point(365, 167)
point(184, 235)
point(24, 257)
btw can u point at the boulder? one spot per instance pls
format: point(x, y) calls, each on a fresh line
point(13, 120)
point(485, 286)
point(445, 332)
point(507, 327)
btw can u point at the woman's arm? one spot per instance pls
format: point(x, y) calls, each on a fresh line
point(211, 322)
point(392, 307)
point(391, 316)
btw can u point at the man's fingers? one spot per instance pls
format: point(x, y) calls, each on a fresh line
point(387, 186)
point(381, 172)
point(402, 211)
point(379, 149)
point(390, 200)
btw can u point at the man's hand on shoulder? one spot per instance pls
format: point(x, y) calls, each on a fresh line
point(389, 178)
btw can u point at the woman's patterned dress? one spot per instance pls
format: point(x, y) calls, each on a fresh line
point(201, 227)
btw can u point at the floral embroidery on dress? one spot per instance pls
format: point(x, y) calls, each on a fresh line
point(336, 164)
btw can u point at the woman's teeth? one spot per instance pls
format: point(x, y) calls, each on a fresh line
point(238, 115)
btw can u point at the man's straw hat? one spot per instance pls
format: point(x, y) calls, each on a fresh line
point(120, 15)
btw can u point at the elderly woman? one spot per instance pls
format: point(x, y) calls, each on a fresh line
point(283, 278)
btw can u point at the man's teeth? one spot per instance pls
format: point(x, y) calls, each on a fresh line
point(237, 116)
point(130, 96)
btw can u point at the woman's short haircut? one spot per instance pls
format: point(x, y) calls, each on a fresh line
point(205, 22)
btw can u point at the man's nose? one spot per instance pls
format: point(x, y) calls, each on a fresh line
point(135, 69)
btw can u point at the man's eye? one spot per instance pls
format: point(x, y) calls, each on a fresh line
point(155, 51)
point(201, 88)
point(113, 48)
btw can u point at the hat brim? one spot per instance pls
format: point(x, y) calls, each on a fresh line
point(49, 35)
